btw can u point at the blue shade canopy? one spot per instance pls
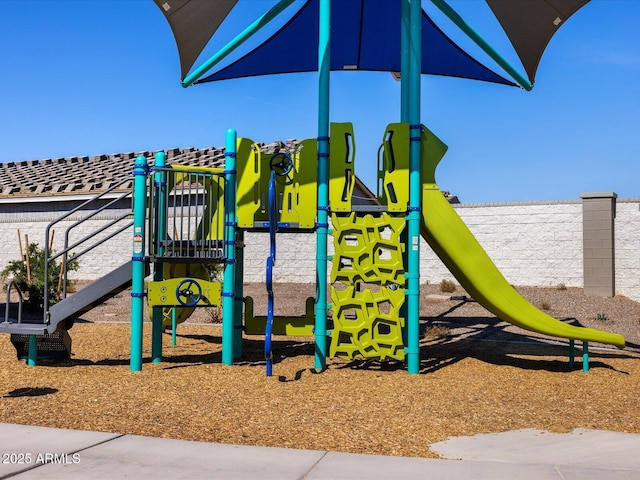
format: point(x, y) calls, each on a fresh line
point(531, 24)
point(365, 35)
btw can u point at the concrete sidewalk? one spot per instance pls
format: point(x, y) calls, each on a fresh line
point(46, 453)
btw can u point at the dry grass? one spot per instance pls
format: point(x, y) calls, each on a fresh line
point(468, 384)
point(447, 286)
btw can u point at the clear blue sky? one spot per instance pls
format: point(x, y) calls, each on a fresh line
point(83, 77)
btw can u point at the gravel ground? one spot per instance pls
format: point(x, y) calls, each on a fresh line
point(478, 375)
point(453, 311)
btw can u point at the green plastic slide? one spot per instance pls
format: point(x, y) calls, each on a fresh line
point(459, 250)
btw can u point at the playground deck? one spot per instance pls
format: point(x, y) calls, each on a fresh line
point(473, 386)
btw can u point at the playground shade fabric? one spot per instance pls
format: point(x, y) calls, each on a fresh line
point(365, 35)
point(531, 24)
point(193, 23)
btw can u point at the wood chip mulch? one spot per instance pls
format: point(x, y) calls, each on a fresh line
point(465, 387)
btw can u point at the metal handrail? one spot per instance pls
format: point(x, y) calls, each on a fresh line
point(13, 283)
point(91, 236)
point(80, 242)
point(91, 247)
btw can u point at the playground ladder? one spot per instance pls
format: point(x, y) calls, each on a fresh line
point(47, 337)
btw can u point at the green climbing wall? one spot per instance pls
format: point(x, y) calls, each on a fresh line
point(367, 289)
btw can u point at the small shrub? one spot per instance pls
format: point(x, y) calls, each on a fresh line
point(447, 286)
point(544, 305)
point(562, 286)
point(602, 317)
point(214, 314)
point(34, 290)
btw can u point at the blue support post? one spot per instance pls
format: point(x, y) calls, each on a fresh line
point(404, 61)
point(228, 286)
point(585, 356)
point(324, 70)
point(140, 172)
point(160, 209)
point(415, 189)
point(32, 353)
point(404, 117)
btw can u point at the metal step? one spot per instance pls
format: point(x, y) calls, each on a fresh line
point(51, 346)
point(25, 328)
point(64, 312)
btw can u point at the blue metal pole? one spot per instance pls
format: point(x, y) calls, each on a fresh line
point(324, 70)
point(404, 62)
point(160, 187)
point(236, 42)
point(415, 190)
point(482, 43)
point(228, 284)
point(140, 171)
point(585, 356)
point(32, 353)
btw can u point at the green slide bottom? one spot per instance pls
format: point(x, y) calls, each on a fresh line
point(459, 250)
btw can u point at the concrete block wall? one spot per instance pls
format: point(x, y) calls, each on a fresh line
point(530, 243)
point(627, 248)
point(295, 257)
point(32, 220)
point(538, 243)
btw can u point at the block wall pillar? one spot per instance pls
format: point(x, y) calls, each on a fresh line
point(598, 220)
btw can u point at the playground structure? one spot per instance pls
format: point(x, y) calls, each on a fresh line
point(368, 274)
point(188, 219)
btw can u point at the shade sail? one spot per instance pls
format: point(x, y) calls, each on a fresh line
point(193, 23)
point(530, 24)
point(365, 35)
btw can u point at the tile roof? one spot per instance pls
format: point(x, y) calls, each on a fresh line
point(76, 175)
point(79, 175)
